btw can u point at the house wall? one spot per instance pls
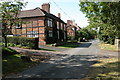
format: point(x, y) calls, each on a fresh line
point(38, 27)
point(57, 31)
point(34, 27)
point(70, 32)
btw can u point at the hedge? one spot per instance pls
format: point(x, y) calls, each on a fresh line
point(23, 41)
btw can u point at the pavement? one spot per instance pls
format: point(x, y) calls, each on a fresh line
point(69, 64)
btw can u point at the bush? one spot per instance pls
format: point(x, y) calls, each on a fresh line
point(23, 41)
point(8, 51)
point(11, 44)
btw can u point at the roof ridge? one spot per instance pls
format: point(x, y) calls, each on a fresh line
point(29, 10)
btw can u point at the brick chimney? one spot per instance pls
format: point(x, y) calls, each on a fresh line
point(46, 7)
point(59, 15)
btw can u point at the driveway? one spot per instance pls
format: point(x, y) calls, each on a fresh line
point(70, 64)
point(53, 48)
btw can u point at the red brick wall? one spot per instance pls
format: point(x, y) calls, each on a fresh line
point(70, 32)
point(33, 24)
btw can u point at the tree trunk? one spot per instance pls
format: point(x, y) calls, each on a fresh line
point(5, 37)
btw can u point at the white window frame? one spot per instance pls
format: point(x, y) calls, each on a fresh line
point(32, 34)
point(50, 33)
point(49, 22)
point(58, 25)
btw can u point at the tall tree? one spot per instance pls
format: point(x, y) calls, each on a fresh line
point(9, 16)
point(106, 16)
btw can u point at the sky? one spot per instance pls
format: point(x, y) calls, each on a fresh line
point(70, 10)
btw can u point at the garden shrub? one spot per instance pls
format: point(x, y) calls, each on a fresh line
point(23, 41)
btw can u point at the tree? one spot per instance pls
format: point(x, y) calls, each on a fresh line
point(105, 16)
point(9, 16)
point(87, 33)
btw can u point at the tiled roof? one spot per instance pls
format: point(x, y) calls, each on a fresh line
point(31, 13)
point(37, 12)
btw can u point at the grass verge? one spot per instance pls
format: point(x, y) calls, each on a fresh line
point(12, 62)
point(69, 45)
point(105, 69)
point(108, 47)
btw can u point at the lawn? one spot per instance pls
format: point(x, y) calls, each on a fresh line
point(105, 69)
point(69, 45)
point(12, 62)
point(108, 47)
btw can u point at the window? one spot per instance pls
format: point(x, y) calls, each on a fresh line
point(29, 35)
point(57, 25)
point(64, 35)
point(32, 34)
point(58, 35)
point(61, 26)
point(64, 27)
point(50, 22)
point(50, 34)
point(35, 33)
point(19, 26)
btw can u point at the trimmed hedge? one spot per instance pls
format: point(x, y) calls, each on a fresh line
point(23, 41)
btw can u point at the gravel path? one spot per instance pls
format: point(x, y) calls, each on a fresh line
point(70, 64)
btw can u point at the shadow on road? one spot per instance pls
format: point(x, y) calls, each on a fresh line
point(85, 45)
point(62, 67)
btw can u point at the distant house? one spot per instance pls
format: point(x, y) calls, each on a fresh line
point(72, 29)
point(41, 24)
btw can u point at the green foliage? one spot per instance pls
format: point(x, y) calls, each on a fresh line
point(69, 45)
point(11, 44)
point(22, 41)
point(105, 17)
point(9, 16)
point(71, 39)
point(8, 51)
point(86, 33)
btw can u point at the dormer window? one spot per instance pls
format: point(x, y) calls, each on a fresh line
point(19, 26)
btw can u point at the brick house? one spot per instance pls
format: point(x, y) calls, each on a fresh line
point(41, 24)
point(72, 29)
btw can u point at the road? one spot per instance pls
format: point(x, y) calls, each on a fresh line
point(70, 64)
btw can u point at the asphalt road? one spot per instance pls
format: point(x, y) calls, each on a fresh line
point(70, 64)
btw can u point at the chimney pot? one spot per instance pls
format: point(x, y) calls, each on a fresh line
point(59, 15)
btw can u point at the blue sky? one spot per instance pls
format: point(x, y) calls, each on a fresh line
point(71, 7)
